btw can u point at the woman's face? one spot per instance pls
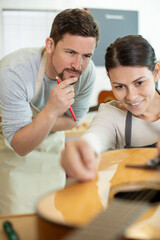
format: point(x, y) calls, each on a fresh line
point(134, 87)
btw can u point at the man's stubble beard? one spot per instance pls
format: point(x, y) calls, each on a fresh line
point(61, 75)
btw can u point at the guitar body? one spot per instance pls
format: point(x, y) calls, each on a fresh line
point(80, 203)
point(105, 96)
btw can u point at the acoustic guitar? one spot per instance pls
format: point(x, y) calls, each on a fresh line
point(103, 97)
point(121, 201)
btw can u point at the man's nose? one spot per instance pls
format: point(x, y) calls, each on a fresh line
point(77, 63)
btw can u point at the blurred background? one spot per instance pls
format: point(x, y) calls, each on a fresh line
point(28, 23)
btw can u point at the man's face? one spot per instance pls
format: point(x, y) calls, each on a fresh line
point(71, 55)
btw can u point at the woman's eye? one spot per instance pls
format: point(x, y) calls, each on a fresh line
point(139, 83)
point(119, 87)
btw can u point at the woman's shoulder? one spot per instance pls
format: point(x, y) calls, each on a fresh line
point(113, 106)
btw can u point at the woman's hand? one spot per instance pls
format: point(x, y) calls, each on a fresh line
point(79, 160)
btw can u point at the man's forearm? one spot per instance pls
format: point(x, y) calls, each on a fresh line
point(63, 123)
point(32, 135)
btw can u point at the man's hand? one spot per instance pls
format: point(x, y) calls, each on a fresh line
point(61, 97)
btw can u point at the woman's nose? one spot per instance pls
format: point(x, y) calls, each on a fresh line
point(131, 95)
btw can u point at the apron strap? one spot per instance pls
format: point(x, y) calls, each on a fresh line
point(40, 74)
point(128, 129)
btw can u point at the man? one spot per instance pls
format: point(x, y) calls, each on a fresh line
point(34, 108)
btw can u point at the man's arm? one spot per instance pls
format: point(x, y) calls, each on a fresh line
point(63, 123)
point(32, 135)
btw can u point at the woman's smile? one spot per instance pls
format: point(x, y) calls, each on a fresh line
point(135, 104)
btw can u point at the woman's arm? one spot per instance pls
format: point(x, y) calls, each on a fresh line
point(79, 160)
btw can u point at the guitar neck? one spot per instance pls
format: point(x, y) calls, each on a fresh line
point(111, 223)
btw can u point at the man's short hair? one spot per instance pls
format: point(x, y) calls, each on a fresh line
point(76, 22)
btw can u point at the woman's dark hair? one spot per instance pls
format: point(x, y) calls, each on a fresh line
point(76, 22)
point(131, 50)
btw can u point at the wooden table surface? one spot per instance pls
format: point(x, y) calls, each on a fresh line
point(33, 227)
point(24, 225)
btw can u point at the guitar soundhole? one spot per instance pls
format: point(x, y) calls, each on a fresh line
point(146, 195)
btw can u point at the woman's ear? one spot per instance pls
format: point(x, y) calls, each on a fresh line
point(49, 45)
point(157, 72)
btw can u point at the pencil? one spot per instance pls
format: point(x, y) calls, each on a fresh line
point(70, 108)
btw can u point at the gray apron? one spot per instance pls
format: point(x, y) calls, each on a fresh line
point(24, 179)
point(128, 132)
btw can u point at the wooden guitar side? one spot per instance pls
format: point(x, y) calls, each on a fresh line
point(79, 204)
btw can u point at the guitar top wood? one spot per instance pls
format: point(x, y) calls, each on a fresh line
point(78, 204)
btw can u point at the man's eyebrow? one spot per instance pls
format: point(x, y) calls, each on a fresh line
point(72, 50)
point(88, 54)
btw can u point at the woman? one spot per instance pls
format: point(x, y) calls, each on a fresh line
point(131, 121)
